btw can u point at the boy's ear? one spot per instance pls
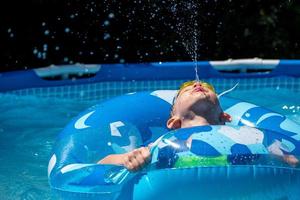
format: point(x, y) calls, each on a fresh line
point(225, 117)
point(174, 123)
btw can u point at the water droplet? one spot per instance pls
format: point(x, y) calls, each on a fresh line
point(66, 59)
point(285, 107)
point(106, 23)
point(35, 51)
point(67, 30)
point(46, 32)
point(45, 47)
point(106, 36)
point(44, 24)
point(39, 55)
point(111, 15)
point(9, 30)
point(57, 48)
point(173, 8)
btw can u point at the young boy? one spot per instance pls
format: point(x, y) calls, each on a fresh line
point(196, 104)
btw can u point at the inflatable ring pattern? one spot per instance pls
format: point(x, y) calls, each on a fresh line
point(214, 153)
point(229, 145)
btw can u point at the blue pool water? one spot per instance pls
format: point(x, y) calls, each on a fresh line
point(29, 124)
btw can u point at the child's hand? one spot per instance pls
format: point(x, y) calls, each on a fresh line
point(291, 160)
point(136, 159)
point(276, 150)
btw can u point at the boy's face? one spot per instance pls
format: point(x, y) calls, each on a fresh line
point(196, 97)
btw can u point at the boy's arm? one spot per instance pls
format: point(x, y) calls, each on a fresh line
point(114, 159)
point(133, 160)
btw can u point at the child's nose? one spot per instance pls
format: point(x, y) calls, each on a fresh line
point(197, 84)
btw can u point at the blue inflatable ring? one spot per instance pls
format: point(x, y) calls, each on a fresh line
point(233, 161)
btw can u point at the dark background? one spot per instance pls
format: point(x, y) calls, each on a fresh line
point(37, 33)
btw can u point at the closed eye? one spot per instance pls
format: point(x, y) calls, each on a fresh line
point(185, 90)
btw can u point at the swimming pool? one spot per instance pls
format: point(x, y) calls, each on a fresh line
point(31, 118)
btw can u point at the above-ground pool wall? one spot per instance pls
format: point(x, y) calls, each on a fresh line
point(103, 81)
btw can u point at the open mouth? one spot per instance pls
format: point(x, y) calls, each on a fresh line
point(199, 89)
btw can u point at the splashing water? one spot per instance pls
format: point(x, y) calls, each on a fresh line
point(195, 49)
point(195, 58)
point(186, 15)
